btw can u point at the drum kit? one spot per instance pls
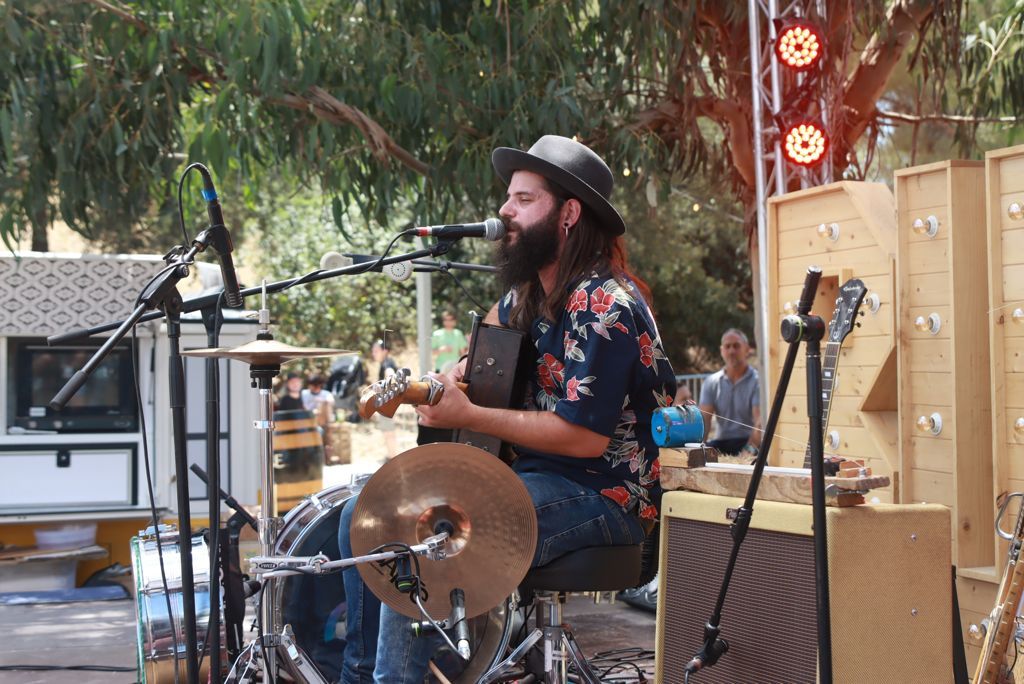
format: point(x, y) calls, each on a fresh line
point(457, 514)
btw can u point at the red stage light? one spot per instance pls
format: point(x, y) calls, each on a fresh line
point(798, 46)
point(805, 144)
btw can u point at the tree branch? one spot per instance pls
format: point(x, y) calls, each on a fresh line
point(321, 103)
point(903, 117)
point(879, 59)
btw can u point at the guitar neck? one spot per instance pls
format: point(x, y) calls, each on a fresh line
point(991, 665)
point(828, 381)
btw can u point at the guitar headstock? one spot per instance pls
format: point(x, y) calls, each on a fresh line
point(384, 396)
point(851, 294)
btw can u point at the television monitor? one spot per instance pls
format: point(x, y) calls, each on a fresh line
point(105, 403)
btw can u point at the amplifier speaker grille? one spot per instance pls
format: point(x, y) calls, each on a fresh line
point(769, 607)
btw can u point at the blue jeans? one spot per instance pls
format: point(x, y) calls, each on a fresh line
point(362, 617)
point(569, 517)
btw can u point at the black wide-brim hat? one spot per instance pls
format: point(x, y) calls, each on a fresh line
point(571, 165)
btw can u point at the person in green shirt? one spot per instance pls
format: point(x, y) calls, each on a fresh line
point(447, 343)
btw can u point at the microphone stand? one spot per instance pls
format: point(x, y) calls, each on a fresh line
point(212, 320)
point(801, 326)
point(162, 294)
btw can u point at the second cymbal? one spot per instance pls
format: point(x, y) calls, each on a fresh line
point(448, 486)
point(264, 352)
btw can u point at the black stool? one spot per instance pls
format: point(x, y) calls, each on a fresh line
point(597, 568)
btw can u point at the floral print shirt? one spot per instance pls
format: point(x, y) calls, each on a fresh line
point(602, 366)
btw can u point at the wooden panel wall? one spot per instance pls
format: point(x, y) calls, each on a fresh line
point(943, 370)
point(864, 399)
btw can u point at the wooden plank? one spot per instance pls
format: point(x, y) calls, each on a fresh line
point(932, 455)
point(794, 211)
point(1011, 175)
point(1013, 354)
point(925, 486)
point(919, 190)
point(938, 385)
point(806, 243)
point(1013, 240)
point(927, 289)
point(930, 256)
point(863, 262)
point(774, 486)
point(1014, 398)
point(928, 355)
point(1012, 285)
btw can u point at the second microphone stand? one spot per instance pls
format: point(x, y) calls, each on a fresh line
point(805, 327)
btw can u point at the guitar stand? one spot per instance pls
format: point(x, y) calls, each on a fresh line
point(801, 326)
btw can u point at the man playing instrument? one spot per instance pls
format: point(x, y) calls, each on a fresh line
point(583, 440)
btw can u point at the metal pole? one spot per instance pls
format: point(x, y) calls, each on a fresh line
point(761, 195)
point(424, 319)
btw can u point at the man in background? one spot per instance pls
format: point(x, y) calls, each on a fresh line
point(448, 343)
point(733, 396)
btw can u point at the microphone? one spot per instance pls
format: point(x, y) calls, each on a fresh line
point(491, 229)
point(220, 240)
point(458, 599)
point(332, 260)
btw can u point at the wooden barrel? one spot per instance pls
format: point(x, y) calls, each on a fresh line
point(298, 457)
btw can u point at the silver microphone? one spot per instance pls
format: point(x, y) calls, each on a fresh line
point(490, 229)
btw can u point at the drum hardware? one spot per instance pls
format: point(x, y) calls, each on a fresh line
point(265, 357)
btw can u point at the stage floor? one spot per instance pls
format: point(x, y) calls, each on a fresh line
point(103, 633)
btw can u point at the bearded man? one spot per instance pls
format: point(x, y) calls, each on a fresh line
point(584, 445)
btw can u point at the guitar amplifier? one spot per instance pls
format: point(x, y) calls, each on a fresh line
point(889, 585)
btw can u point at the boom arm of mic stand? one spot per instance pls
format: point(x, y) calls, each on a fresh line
point(197, 303)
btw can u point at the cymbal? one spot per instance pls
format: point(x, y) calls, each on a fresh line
point(264, 352)
point(495, 526)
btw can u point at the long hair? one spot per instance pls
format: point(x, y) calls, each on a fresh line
point(589, 247)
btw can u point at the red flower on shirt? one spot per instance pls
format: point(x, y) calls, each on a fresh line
point(601, 301)
point(655, 470)
point(555, 367)
point(577, 302)
point(617, 494)
point(646, 350)
point(570, 389)
point(648, 512)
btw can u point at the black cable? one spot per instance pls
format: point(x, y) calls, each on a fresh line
point(152, 498)
point(181, 210)
point(455, 279)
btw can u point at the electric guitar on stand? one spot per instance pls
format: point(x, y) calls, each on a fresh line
point(851, 294)
point(999, 629)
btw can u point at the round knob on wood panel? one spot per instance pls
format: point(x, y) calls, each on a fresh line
point(829, 230)
point(1018, 425)
point(931, 424)
point(1017, 316)
point(932, 324)
point(1015, 211)
point(927, 226)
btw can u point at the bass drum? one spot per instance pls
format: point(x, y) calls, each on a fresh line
point(315, 607)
